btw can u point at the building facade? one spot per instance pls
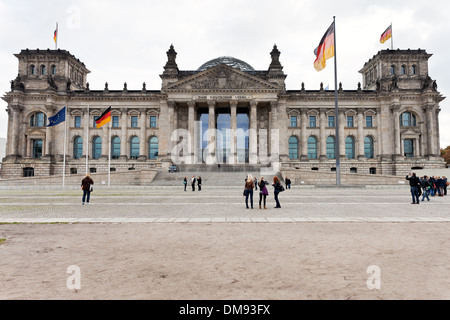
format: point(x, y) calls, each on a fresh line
point(223, 112)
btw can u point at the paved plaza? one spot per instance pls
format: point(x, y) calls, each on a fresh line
point(219, 204)
point(164, 243)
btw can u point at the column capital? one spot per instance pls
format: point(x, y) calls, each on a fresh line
point(233, 103)
point(171, 103)
point(253, 103)
point(211, 103)
point(16, 108)
point(124, 110)
point(142, 110)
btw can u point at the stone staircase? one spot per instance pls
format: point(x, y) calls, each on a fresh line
point(225, 175)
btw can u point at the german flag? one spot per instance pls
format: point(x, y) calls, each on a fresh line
point(325, 50)
point(104, 118)
point(55, 34)
point(386, 35)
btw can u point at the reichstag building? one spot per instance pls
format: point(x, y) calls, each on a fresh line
point(387, 125)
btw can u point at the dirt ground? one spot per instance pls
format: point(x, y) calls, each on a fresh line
point(292, 261)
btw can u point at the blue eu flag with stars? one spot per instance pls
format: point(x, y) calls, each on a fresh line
point(57, 118)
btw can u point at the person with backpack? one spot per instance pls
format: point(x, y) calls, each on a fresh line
point(86, 186)
point(425, 184)
point(278, 187)
point(263, 192)
point(185, 183)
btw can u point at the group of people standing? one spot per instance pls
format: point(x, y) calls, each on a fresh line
point(426, 187)
point(193, 181)
point(253, 183)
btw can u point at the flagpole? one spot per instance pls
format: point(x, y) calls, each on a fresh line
point(56, 40)
point(336, 111)
point(392, 38)
point(65, 138)
point(109, 155)
point(87, 139)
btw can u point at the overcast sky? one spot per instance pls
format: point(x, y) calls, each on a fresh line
point(126, 41)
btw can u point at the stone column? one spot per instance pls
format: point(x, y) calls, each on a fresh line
point(253, 138)
point(124, 134)
point(322, 142)
point(341, 134)
point(379, 134)
point(211, 130)
point(171, 126)
point(16, 123)
point(416, 148)
point(28, 150)
point(191, 123)
point(431, 129)
point(304, 138)
point(361, 155)
point(9, 134)
point(233, 137)
point(142, 135)
point(397, 146)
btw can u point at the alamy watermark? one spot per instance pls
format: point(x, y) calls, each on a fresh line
point(74, 280)
point(374, 280)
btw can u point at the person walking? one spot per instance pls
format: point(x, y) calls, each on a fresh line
point(86, 185)
point(288, 183)
point(248, 189)
point(199, 183)
point(193, 183)
point(185, 183)
point(263, 192)
point(414, 184)
point(424, 183)
point(444, 178)
point(255, 182)
point(277, 189)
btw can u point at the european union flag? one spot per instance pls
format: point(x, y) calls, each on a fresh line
point(57, 118)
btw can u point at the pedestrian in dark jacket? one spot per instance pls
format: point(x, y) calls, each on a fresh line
point(277, 189)
point(414, 184)
point(444, 178)
point(425, 185)
point(288, 183)
point(185, 183)
point(440, 186)
point(263, 192)
point(86, 185)
point(199, 183)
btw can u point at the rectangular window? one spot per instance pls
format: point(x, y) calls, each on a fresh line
point(369, 122)
point(350, 121)
point(293, 121)
point(115, 121)
point(408, 148)
point(95, 119)
point(312, 121)
point(134, 121)
point(77, 121)
point(331, 121)
point(152, 121)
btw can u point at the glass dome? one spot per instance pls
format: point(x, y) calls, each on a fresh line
point(230, 61)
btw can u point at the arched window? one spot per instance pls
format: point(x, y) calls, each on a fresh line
point(96, 147)
point(43, 69)
point(407, 119)
point(403, 69)
point(38, 119)
point(413, 70)
point(368, 147)
point(115, 148)
point(32, 69)
point(153, 148)
point(331, 145)
point(312, 147)
point(350, 147)
point(392, 70)
point(77, 147)
point(53, 69)
point(134, 147)
point(293, 148)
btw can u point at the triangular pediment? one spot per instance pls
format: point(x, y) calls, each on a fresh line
point(223, 78)
point(35, 134)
